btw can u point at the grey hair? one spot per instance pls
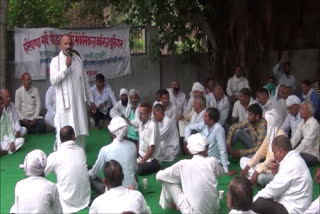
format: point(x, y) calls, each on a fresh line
point(133, 92)
point(310, 106)
point(201, 99)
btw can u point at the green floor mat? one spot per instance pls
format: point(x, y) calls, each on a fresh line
point(10, 172)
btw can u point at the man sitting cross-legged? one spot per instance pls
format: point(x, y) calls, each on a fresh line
point(192, 184)
point(118, 199)
point(35, 194)
point(290, 191)
point(121, 150)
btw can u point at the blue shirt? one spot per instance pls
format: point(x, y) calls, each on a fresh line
point(216, 140)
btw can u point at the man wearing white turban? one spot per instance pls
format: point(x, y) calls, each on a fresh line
point(252, 168)
point(293, 118)
point(192, 184)
point(36, 194)
point(121, 150)
point(196, 91)
point(120, 107)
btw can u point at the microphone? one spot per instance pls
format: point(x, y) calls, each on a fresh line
point(70, 52)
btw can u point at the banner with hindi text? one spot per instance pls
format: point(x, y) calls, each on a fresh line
point(103, 51)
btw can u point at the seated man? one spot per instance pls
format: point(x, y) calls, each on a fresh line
point(118, 199)
point(252, 168)
point(236, 83)
point(177, 97)
point(219, 100)
point(103, 99)
point(149, 141)
point(192, 184)
point(315, 206)
point(210, 85)
point(293, 118)
point(239, 196)
point(250, 133)
point(306, 139)
point(290, 191)
point(215, 135)
point(11, 111)
point(120, 107)
point(8, 142)
point(70, 166)
point(132, 113)
point(196, 91)
point(196, 115)
point(28, 106)
point(35, 194)
point(281, 95)
point(169, 107)
point(267, 103)
point(169, 136)
point(309, 94)
point(50, 106)
point(240, 107)
point(121, 150)
point(282, 71)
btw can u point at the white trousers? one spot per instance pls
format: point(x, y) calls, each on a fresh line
point(173, 193)
point(5, 144)
point(263, 178)
point(314, 207)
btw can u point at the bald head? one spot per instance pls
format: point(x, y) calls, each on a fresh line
point(6, 97)
point(66, 134)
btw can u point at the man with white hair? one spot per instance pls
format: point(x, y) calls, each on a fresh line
point(35, 194)
point(219, 100)
point(309, 94)
point(251, 167)
point(69, 163)
point(177, 97)
point(293, 118)
point(196, 91)
point(132, 113)
point(120, 107)
point(306, 139)
point(8, 142)
point(192, 184)
point(169, 136)
point(11, 111)
point(121, 150)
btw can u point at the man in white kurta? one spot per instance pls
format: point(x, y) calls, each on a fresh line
point(120, 107)
point(290, 191)
point(196, 91)
point(236, 83)
point(240, 107)
point(70, 80)
point(293, 118)
point(169, 136)
point(192, 184)
point(11, 111)
point(121, 150)
point(50, 106)
point(69, 163)
point(35, 194)
point(177, 97)
point(118, 199)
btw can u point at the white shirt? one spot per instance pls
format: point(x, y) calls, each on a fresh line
point(283, 79)
point(118, 109)
point(28, 104)
point(272, 104)
point(13, 117)
point(169, 139)
point(197, 117)
point(116, 151)
point(36, 194)
point(291, 123)
point(291, 186)
point(50, 105)
point(72, 93)
point(309, 134)
point(119, 200)
point(178, 101)
point(106, 96)
point(239, 111)
point(170, 111)
point(149, 136)
point(222, 105)
point(233, 211)
point(198, 179)
point(70, 166)
point(235, 84)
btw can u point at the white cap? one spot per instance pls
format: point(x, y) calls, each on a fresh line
point(123, 91)
point(293, 99)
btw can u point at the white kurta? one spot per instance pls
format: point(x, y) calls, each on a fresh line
point(118, 109)
point(178, 101)
point(169, 139)
point(235, 84)
point(36, 195)
point(125, 152)
point(119, 200)
point(14, 118)
point(222, 105)
point(239, 111)
point(291, 186)
point(72, 93)
point(198, 180)
point(192, 117)
point(70, 166)
point(50, 106)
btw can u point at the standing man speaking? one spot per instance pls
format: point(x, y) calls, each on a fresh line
point(70, 80)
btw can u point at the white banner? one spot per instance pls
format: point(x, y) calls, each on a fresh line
point(103, 51)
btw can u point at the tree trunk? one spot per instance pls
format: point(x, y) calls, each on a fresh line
point(3, 41)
